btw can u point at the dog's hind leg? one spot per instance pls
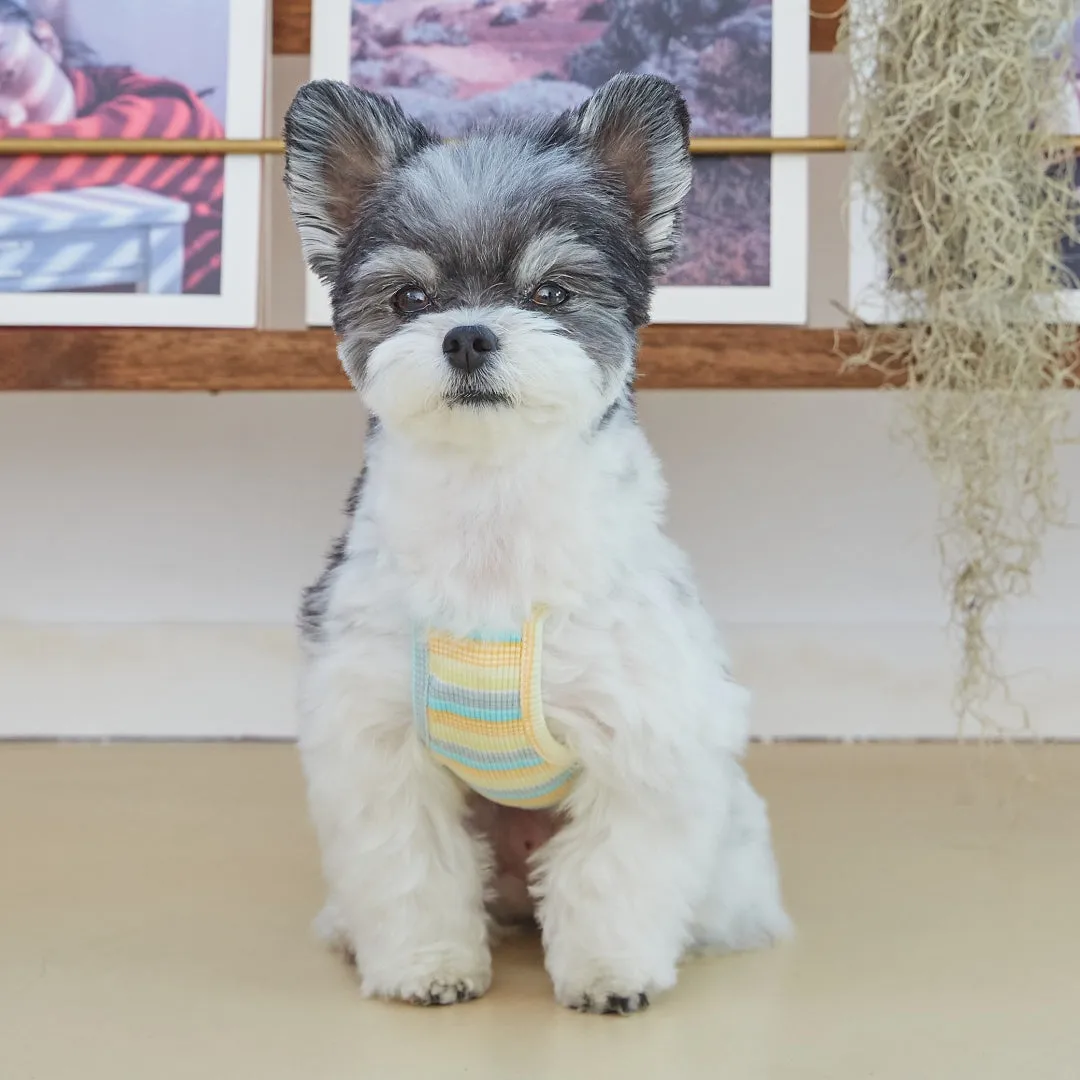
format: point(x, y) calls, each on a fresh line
point(330, 929)
point(742, 908)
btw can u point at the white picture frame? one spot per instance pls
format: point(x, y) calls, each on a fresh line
point(869, 297)
point(784, 300)
point(237, 303)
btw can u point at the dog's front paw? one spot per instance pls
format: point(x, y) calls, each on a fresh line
point(609, 1003)
point(615, 986)
point(441, 992)
point(606, 993)
point(448, 984)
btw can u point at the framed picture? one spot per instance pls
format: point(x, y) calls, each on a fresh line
point(126, 240)
point(869, 296)
point(1071, 297)
point(744, 69)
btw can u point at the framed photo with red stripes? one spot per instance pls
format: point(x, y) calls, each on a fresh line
point(131, 240)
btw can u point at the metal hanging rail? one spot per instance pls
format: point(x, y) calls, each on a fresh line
point(707, 146)
point(710, 146)
point(702, 146)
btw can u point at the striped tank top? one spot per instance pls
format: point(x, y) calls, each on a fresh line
point(478, 709)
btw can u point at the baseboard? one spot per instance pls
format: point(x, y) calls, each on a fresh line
point(189, 680)
point(237, 681)
point(897, 682)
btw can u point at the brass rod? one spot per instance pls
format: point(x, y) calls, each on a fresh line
point(702, 146)
point(106, 147)
point(706, 146)
point(725, 145)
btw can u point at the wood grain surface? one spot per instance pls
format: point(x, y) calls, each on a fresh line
point(689, 357)
point(824, 22)
point(292, 25)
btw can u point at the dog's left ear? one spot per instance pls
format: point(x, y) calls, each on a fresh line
point(340, 144)
point(638, 127)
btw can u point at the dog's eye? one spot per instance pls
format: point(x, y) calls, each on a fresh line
point(549, 295)
point(411, 299)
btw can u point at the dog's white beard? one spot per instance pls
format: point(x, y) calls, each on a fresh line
point(666, 845)
point(550, 379)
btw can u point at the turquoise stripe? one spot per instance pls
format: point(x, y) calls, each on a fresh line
point(488, 761)
point(514, 639)
point(521, 794)
point(473, 712)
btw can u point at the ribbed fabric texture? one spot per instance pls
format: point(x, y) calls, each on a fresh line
point(478, 709)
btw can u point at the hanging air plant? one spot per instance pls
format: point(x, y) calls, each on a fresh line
point(957, 109)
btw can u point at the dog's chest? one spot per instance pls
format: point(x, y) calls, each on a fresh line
point(473, 550)
point(504, 709)
point(467, 551)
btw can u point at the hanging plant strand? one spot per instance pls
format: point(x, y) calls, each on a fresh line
point(955, 108)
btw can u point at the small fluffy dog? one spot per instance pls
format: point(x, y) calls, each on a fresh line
point(512, 695)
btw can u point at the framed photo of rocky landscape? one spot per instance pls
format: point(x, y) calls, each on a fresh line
point(127, 240)
point(742, 64)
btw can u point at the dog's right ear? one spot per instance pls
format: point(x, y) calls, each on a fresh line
point(340, 142)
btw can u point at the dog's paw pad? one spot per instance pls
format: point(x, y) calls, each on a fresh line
point(447, 993)
point(612, 1004)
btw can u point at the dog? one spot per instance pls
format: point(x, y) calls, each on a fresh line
point(505, 570)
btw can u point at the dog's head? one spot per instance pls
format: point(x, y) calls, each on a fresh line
point(498, 280)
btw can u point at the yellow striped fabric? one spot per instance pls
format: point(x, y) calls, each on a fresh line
point(478, 709)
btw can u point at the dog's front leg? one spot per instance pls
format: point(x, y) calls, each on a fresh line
point(405, 877)
point(613, 897)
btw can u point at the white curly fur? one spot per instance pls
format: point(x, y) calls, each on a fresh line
point(469, 517)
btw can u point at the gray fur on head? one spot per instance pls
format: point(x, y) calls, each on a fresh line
point(639, 128)
point(590, 200)
point(340, 143)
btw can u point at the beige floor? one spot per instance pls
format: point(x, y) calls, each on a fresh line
point(155, 901)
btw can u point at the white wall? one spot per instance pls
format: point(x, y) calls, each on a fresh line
point(152, 546)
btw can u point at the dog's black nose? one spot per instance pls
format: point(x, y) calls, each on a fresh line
point(468, 347)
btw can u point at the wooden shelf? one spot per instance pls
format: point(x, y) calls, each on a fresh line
point(672, 357)
point(824, 22)
point(292, 25)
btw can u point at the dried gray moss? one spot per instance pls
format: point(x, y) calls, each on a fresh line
point(956, 109)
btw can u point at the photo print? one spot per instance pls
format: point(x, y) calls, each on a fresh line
point(742, 64)
point(125, 239)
